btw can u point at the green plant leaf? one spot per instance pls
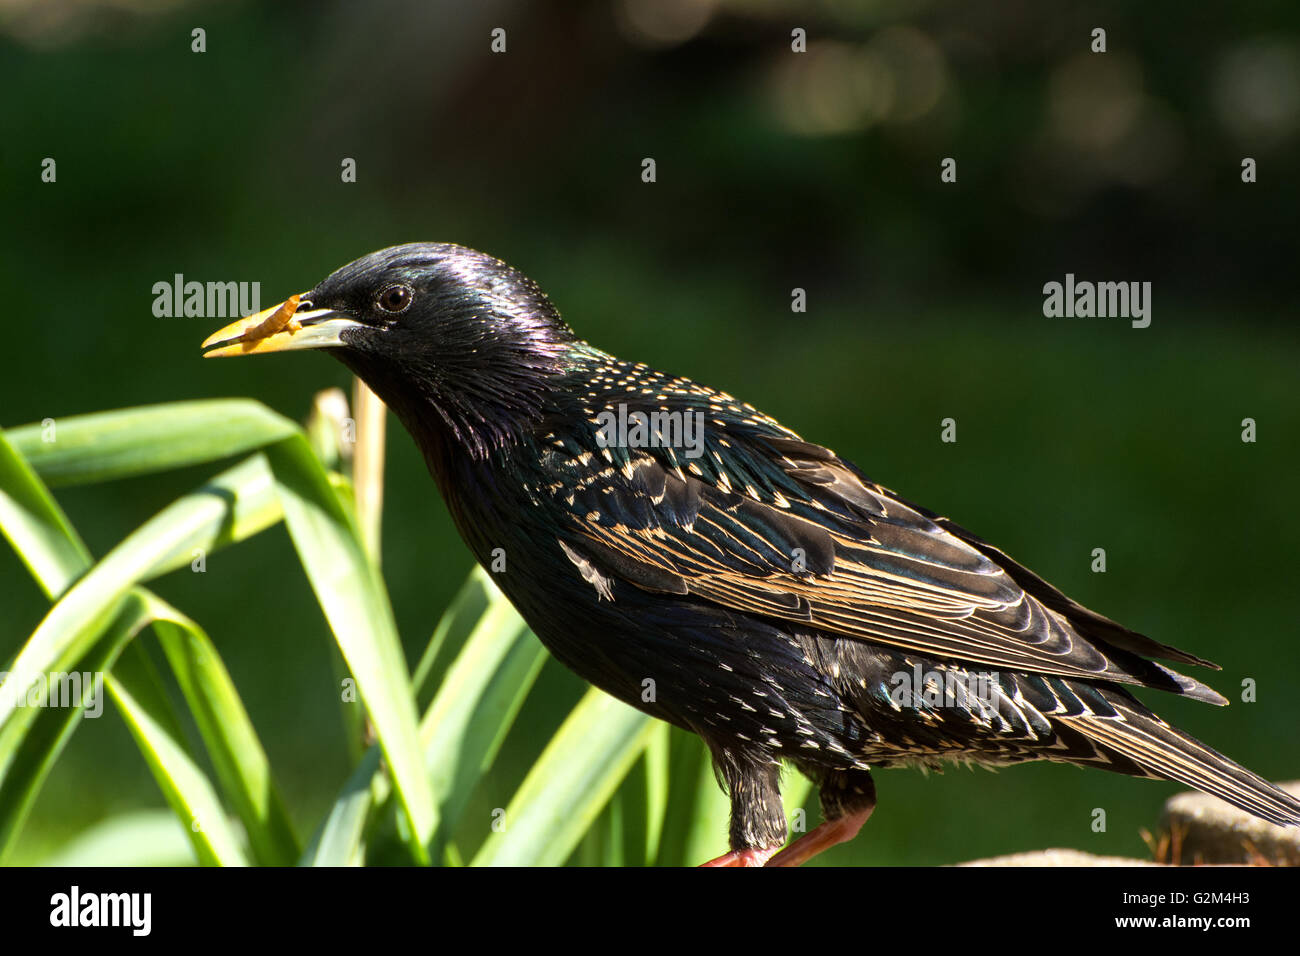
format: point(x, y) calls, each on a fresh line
point(230, 738)
point(463, 728)
point(453, 628)
point(697, 812)
point(52, 727)
point(141, 838)
point(351, 592)
point(338, 839)
point(232, 743)
point(658, 767)
point(569, 785)
point(188, 791)
point(235, 504)
point(36, 526)
point(45, 540)
point(485, 687)
point(137, 441)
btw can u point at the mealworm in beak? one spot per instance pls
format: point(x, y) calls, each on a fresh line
point(280, 319)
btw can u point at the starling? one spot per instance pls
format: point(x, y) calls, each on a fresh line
point(662, 535)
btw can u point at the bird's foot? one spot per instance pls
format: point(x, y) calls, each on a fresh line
point(821, 837)
point(753, 856)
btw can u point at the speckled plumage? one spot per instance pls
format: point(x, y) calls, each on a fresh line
point(769, 592)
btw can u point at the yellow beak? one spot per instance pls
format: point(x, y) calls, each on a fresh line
point(281, 328)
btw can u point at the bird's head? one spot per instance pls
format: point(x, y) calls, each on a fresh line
point(434, 329)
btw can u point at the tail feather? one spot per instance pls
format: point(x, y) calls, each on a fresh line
point(1143, 741)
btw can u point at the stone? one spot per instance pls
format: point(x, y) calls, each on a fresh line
point(1058, 857)
point(1197, 828)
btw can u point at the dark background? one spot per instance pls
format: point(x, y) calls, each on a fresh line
point(775, 170)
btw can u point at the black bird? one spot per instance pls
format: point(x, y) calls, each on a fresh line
point(700, 561)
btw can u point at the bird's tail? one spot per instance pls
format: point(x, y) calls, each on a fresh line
point(1137, 742)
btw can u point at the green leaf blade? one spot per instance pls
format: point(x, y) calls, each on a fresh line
point(352, 594)
point(565, 791)
point(135, 441)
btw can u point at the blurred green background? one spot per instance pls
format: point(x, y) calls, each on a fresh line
point(775, 170)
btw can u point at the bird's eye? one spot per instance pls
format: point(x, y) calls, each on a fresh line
point(396, 298)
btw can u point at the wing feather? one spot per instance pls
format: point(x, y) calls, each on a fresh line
point(811, 539)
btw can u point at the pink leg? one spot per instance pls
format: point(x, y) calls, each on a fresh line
point(751, 857)
point(822, 837)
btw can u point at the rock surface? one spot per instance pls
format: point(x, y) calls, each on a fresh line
point(1201, 829)
point(1058, 858)
point(1195, 829)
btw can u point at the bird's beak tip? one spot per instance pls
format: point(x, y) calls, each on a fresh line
point(280, 328)
point(247, 332)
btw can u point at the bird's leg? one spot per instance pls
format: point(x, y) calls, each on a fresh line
point(753, 856)
point(822, 837)
point(757, 816)
point(847, 801)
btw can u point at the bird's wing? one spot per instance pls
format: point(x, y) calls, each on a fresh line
point(771, 525)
